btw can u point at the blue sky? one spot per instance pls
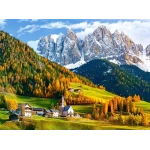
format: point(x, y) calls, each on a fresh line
point(30, 30)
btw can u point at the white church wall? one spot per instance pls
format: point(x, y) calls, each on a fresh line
point(65, 113)
point(70, 110)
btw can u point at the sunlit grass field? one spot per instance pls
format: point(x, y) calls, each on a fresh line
point(93, 92)
point(33, 101)
point(42, 123)
point(144, 105)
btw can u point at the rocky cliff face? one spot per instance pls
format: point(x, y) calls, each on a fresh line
point(46, 46)
point(116, 47)
point(59, 47)
point(70, 53)
point(148, 50)
point(64, 51)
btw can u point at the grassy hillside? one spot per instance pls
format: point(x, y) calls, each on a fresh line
point(33, 101)
point(88, 91)
point(45, 102)
point(144, 105)
point(93, 92)
point(83, 109)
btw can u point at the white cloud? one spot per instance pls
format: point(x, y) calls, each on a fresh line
point(20, 34)
point(2, 23)
point(58, 25)
point(33, 44)
point(33, 29)
point(25, 28)
point(85, 25)
point(33, 20)
point(54, 25)
point(29, 28)
point(23, 20)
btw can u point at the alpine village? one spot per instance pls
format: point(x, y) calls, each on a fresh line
point(39, 91)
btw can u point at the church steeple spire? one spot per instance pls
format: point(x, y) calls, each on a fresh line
point(62, 105)
point(62, 101)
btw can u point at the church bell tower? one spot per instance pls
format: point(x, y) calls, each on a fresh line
point(62, 105)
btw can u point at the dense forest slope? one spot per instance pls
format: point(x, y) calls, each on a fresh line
point(24, 72)
point(137, 72)
point(116, 79)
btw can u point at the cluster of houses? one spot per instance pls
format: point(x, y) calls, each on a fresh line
point(26, 110)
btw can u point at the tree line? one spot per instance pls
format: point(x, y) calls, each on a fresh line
point(123, 108)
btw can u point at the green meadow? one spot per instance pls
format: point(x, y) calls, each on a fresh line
point(42, 123)
point(33, 101)
point(144, 105)
point(93, 92)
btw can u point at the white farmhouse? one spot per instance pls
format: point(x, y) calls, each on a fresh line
point(24, 109)
point(51, 113)
point(55, 113)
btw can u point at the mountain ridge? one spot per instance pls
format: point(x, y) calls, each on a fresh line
point(101, 44)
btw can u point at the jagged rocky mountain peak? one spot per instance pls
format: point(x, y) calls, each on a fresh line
point(148, 50)
point(118, 47)
point(71, 35)
point(116, 32)
point(101, 32)
point(69, 31)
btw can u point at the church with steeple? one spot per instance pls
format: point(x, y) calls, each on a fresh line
point(65, 110)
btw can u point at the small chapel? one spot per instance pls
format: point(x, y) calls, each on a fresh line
point(65, 110)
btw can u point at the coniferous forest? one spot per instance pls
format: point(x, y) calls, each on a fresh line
point(117, 79)
point(23, 72)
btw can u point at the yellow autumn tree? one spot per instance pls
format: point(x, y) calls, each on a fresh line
point(144, 120)
point(57, 85)
point(66, 94)
point(115, 103)
point(11, 104)
point(106, 108)
point(111, 108)
point(136, 98)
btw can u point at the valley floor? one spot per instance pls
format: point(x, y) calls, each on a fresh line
point(42, 123)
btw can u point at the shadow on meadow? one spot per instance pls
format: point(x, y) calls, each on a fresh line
point(3, 120)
